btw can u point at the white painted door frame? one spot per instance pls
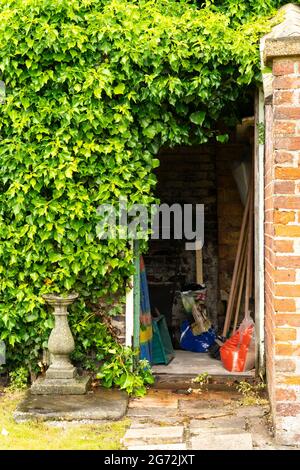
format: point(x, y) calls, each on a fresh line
point(259, 218)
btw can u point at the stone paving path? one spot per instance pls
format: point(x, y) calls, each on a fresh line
point(166, 420)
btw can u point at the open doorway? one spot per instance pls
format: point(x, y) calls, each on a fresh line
point(212, 175)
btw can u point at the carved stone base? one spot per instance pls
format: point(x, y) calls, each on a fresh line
point(55, 386)
point(68, 372)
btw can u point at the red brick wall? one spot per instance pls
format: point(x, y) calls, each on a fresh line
point(282, 249)
point(269, 252)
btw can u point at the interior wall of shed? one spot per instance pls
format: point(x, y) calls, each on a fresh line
point(197, 175)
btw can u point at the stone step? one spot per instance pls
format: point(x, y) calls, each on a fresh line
point(153, 435)
point(222, 382)
point(215, 431)
point(177, 446)
point(213, 441)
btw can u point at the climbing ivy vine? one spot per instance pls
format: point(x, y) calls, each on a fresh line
point(94, 88)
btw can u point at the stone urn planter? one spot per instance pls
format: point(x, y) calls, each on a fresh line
point(61, 377)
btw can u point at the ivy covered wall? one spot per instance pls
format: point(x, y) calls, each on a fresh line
point(93, 89)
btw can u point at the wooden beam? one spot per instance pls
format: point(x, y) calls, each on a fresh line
point(199, 266)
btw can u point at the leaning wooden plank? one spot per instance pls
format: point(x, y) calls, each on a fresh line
point(236, 266)
point(239, 273)
point(240, 292)
point(249, 281)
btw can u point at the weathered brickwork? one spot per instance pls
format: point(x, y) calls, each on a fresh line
point(270, 304)
point(282, 248)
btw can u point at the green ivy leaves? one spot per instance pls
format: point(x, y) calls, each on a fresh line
point(198, 117)
point(94, 89)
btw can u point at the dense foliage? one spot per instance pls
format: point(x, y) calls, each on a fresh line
point(93, 89)
point(112, 363)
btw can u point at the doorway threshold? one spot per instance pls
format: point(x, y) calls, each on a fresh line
point(187, 365)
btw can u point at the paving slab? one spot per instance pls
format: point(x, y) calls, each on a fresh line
point(155, 401)
point(228, 424)
point(200, 411)
point(234, 421)
point(151, 412)
point(101, 404)
point(177, 446)
point(153, 435)
point(211, 420)
point(262, 437)
point(203, 406)
point(242, 441)
point(158, 421)
point(251, 411)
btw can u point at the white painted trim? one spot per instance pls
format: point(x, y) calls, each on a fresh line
point(259, 279)
point(129, 316)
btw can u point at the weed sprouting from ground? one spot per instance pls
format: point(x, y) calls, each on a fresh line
point(202, 380)
point(252, 393)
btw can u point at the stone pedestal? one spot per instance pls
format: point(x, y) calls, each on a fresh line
point(61, 377)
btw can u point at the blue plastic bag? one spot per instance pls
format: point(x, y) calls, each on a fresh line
point(198, 343)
